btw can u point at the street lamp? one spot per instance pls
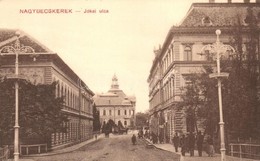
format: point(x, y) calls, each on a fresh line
point(219, 49)
point(16, 50)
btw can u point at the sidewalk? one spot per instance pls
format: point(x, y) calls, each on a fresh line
point(216, 157)
point(70, 148)
point(61, 151)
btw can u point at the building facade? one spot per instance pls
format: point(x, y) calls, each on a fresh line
point(179, 57)
point(115, 105)
point(49, 68)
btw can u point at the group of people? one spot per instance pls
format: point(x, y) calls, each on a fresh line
point(188, 142)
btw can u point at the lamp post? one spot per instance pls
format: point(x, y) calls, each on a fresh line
point(16, 50)
point(219, 48)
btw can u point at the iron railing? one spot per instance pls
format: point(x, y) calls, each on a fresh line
point(4, 153)
point(251, 151)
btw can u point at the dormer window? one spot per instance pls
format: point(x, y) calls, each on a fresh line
point(206, 21)
point(247, 20)
point(258, 15)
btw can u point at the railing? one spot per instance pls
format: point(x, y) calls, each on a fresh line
point(4, 153)
point(245, 150)
point(36, 148)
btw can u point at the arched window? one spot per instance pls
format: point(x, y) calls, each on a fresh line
point(187, 54)
point(58, 89)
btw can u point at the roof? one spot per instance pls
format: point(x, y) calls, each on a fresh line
point(211, 14)
point(114, 96)
point(109, 99)
point(206, 18)
point(8, 37)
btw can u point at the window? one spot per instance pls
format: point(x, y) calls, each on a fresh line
point(125, 123)
point(104, 112)
point(187, 54)
point(118, 112)
point(110, 112)
point(125, 112)
point(209, 56)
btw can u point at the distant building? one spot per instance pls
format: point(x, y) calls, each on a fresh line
point(178, 58)
point(116, 105)
point(47, 68)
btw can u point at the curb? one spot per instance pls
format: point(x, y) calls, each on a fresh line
point(149, 144)
point(63, 151)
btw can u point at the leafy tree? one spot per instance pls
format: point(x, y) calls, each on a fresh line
point(141, 119)
point(40, 112)
point(199, 101)
point(96, 119)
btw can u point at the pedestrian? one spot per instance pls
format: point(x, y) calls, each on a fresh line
point(200, 139)
point(183, 145)
point(133, 139)
point(211, 150)
point(176, 141)
point(191, 143)
point(160, 138)
point(146, 134)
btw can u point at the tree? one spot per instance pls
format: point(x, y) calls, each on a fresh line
point(199, 100)
point(141, 119)
point(96, 119)
point(40, 112)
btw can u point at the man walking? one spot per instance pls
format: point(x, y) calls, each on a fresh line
point(183, 143)
point(176, 141)
point(191, 143)
point(200, 138)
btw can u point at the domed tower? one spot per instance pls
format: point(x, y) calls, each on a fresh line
point(114, 84)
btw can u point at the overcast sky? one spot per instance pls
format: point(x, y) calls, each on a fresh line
point(97, 46)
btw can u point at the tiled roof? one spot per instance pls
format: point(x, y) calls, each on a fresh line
point(218, 14)
point(114, 96)
point(113, 99)
point(7, 37)
point(107, 100)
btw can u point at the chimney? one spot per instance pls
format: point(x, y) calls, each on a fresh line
point(246, 1)
point(229, 1)
point(211, 1)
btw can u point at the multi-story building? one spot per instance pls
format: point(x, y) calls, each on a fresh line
point(115, 105)
point(47, 68)
point(178, 57)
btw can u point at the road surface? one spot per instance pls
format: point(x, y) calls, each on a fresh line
point(114, 148)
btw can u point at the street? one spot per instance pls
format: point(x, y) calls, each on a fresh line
point(114, 148)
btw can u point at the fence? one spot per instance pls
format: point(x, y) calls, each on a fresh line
point(33, 149)
point(4, 153)
point(251, 151)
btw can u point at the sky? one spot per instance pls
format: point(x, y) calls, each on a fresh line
point(98, 45)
